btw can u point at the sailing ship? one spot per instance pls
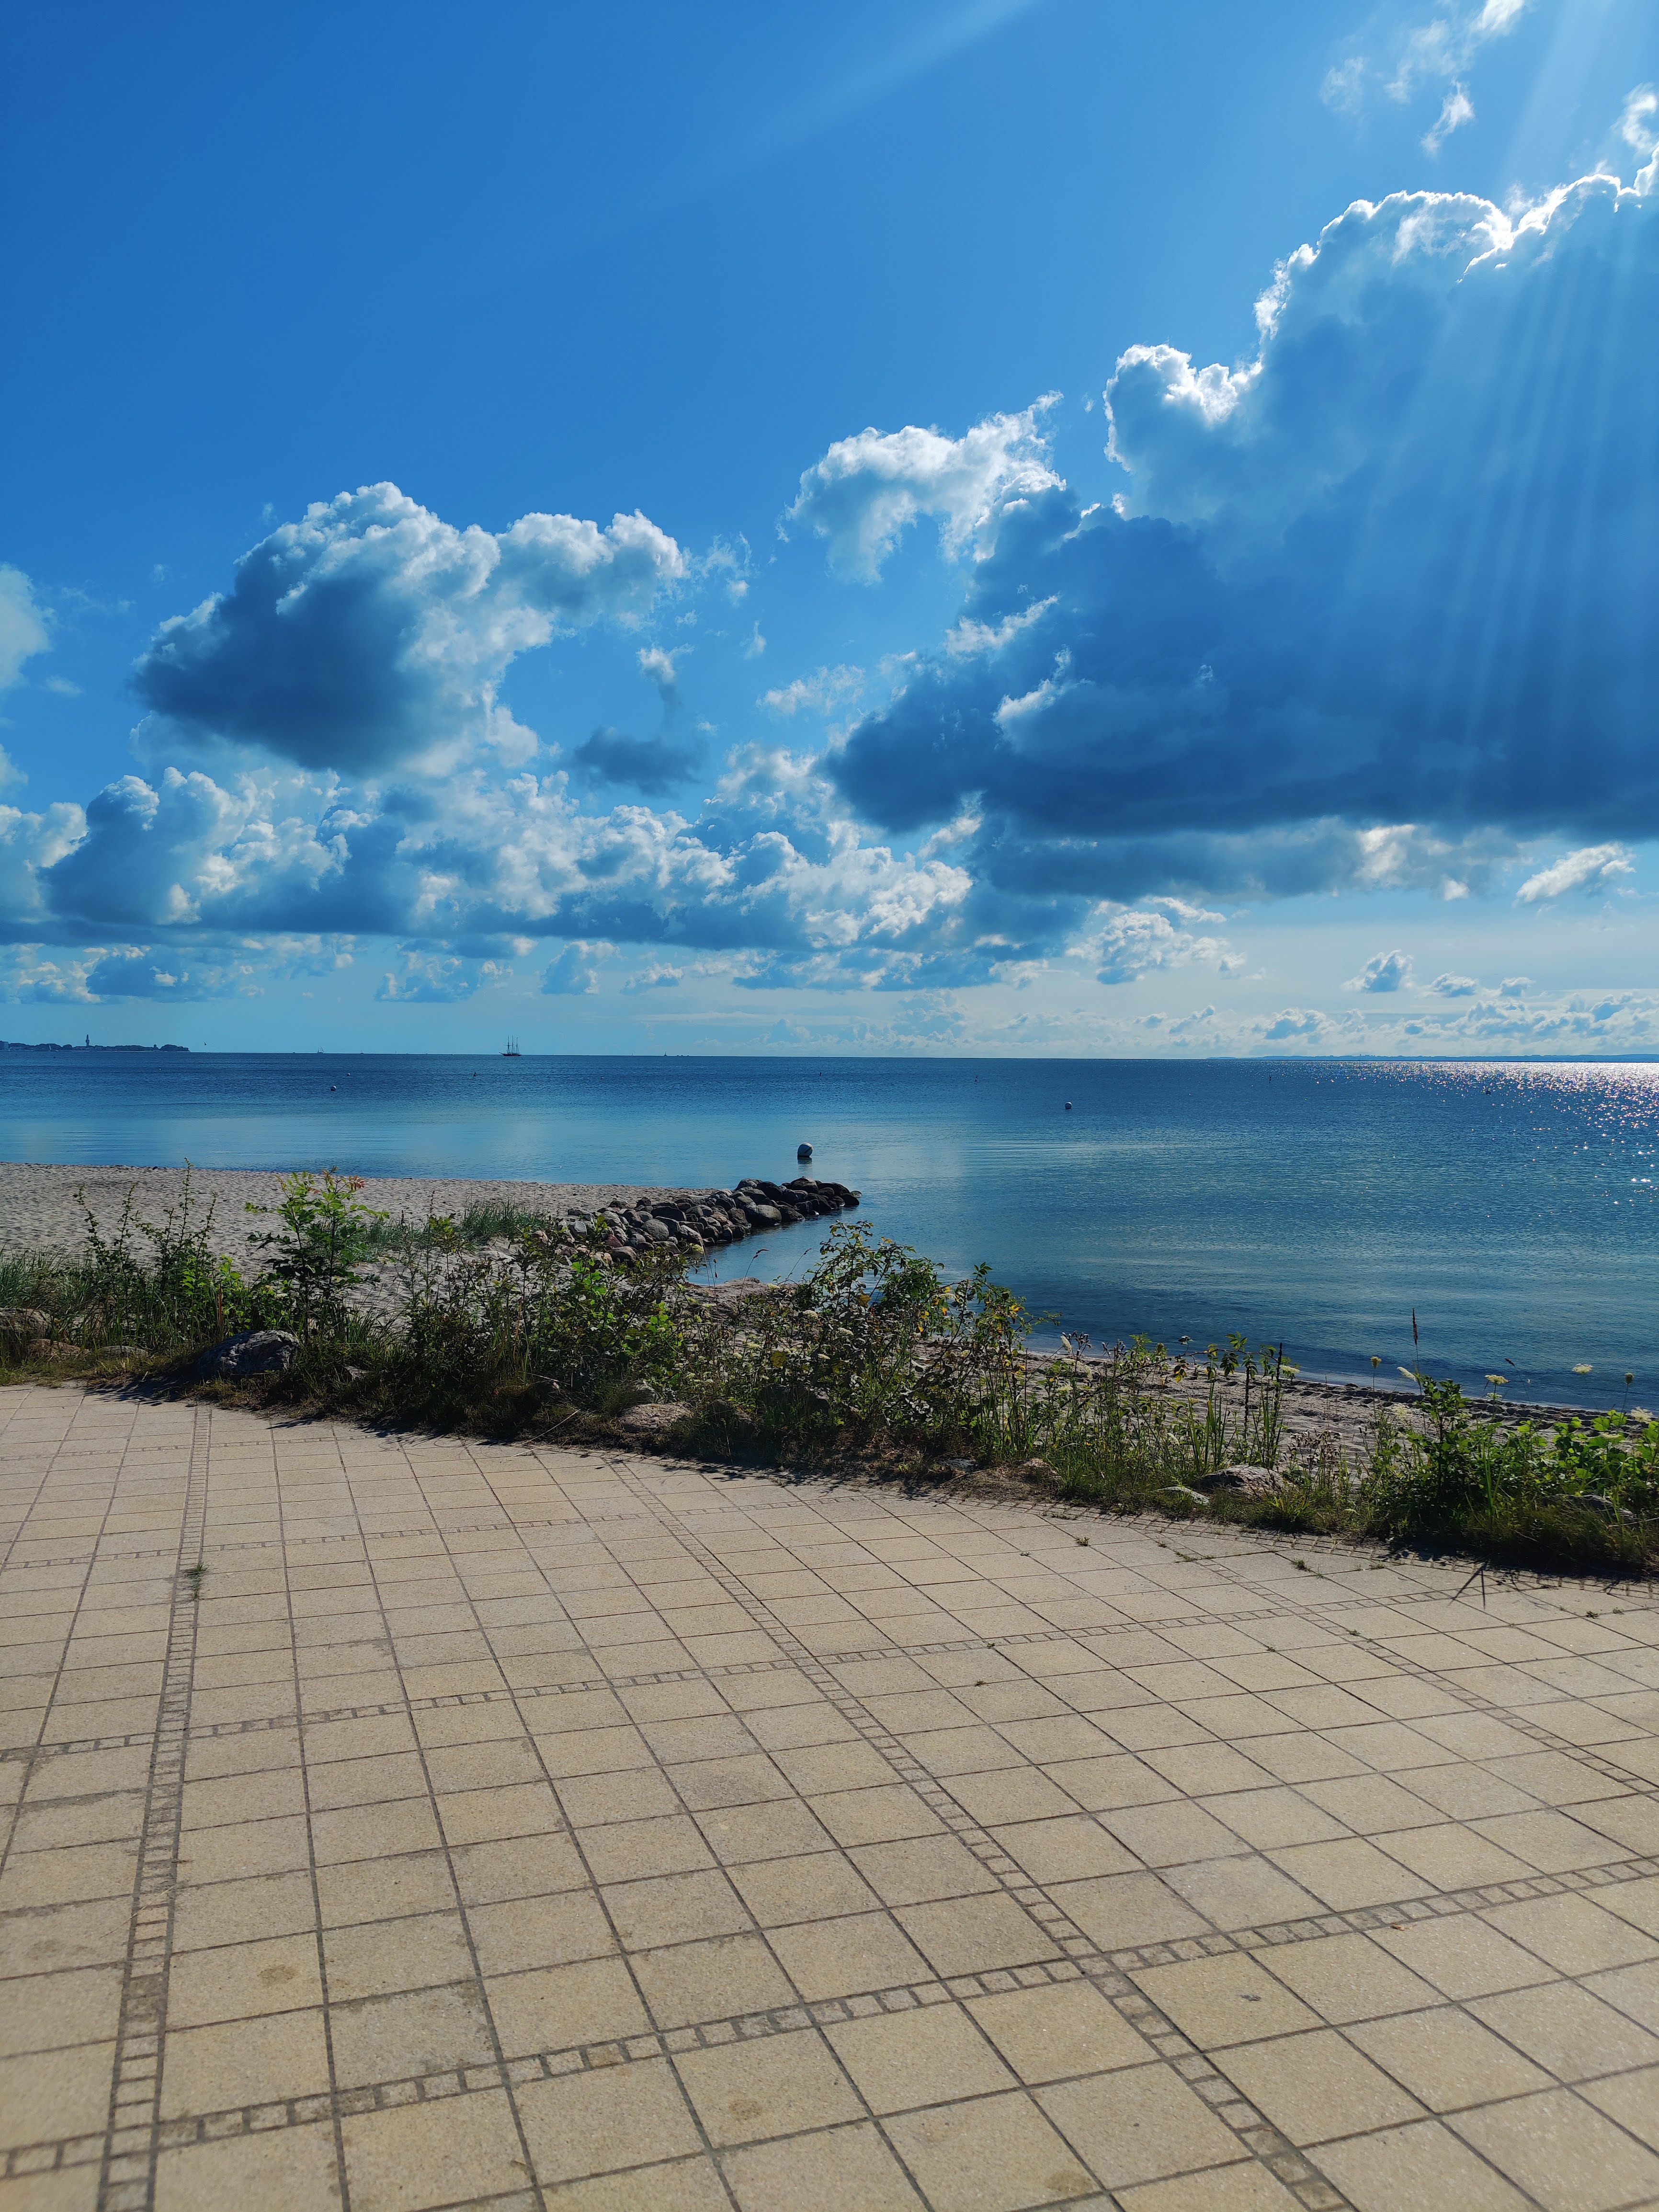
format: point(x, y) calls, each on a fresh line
point(512, 1052)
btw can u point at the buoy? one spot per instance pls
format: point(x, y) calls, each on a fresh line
point(1068, 1105)
point(803, 1151)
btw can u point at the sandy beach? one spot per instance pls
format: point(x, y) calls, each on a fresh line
point(40, 1207)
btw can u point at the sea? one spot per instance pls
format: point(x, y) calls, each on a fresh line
point(1476, 1219)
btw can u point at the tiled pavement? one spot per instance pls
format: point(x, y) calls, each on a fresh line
point(492, 1826)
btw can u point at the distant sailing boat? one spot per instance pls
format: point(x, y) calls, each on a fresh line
point(512, 1052)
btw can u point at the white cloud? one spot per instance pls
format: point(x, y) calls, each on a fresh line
point(1304, 607)
point(1588, 868)
point(1130, 942)
point(1409, 58)
point(1383, 972)
point(868, 489)
point(1636, 124)
point(1299, 1024)
point(820, 693)
point(575, 970)
point(1515, 987)
point(24, 624)
point(656, 977)
point(438, 979)
point(372, 634)
point(1455, 110)
point(1454, 986)
point(656, 666)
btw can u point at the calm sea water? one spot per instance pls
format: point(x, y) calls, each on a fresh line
point(1512, 1206)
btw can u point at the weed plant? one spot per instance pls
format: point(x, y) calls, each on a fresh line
point(872, 1358)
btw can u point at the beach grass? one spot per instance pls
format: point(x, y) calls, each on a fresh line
point(873, 1364)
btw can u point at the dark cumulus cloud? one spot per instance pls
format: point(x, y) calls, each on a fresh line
point(371, 632)
point(1402, 569)
point(652, 765)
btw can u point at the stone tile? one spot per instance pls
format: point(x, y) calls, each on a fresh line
point(615, 2116)
point(241, 1981)
point(817, 1884)
point(975, 1935)
point(1223, 2189)
point(840, 1957)
point(719, 1979)
point(1225, 2000)
point(1159, 1781)
point(1068, 1848)
point(1317, 2085)
point(989, 2150)
point(1417, 2169)
point(1347, 1977)
point(687, 2184)
point(206, 2071)
point(1050, 2033)
point(675, 1908)
point(828, 2171)
point(877, 1816)
point(1245, 1892)
point(416, 2032)
point(1562, 2153)
point(46, 2095)
point(779, 2085)
point(1346, 1875)
point(1573, 1934)
point(379, 1958)
point(280, 2170)
point(1447, 2060)
point(1461, 1957)
point(457, 2151)
point(1569, 2032)
point(1633, 2099)
point(1121, 1912)
point(1143, 2123)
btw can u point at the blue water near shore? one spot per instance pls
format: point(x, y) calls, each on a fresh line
point(1318, 1202)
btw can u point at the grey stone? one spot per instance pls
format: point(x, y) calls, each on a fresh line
point(655, 1420)
point(1253, 1481)
point(27, 1322)
point(256, 1352)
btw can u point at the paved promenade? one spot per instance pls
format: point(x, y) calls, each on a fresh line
point(484, 1826)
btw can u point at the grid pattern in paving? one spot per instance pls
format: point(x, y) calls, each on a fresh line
point(402, 1824)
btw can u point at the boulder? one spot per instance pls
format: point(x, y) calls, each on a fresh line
point(25, 1321)
point(1241, 1477)
point(256, 1352)
point(655, 1420)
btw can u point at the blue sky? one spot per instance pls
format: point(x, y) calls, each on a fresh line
point(1028, 526)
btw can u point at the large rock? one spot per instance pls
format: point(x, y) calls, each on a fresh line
point(256, 1352)
point(655, 1420)
point(27, 1322)
point(1243, 1479)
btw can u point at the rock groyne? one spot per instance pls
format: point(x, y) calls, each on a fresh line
point(700, 1219)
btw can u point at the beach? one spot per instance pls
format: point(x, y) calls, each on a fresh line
point(42, 1208)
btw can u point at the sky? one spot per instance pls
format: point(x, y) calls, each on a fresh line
point(1003, 526)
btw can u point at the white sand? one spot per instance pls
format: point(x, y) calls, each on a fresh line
point(39, 1209)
